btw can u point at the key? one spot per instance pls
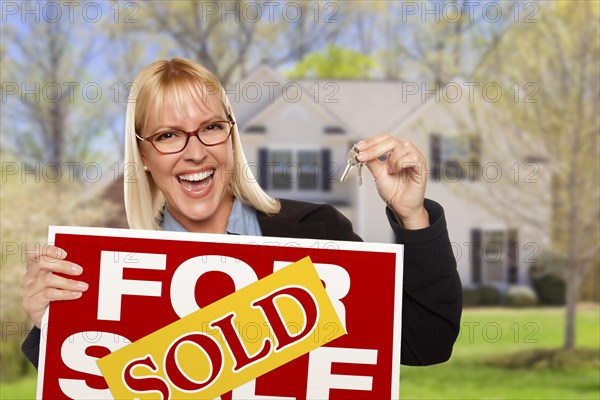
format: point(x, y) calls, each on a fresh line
point(351, 160)
point(360, 165)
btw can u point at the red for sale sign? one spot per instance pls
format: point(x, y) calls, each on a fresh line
point(142, 281)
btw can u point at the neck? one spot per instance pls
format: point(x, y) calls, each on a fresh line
point(216, 223)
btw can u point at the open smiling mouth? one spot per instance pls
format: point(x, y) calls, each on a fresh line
point(196, 182)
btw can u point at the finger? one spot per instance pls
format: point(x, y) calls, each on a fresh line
point(37, 303)
point(53, 294)
point(381, 145)
point(41, 271)
point(375, 146)
point(405, 158)
point(36, 297)
point(53, 265)
point(48, 252)
point(366, 143)
point(40, 300)
point(54, 281)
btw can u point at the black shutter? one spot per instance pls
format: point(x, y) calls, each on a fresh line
point(475, 158)
point(436, 156)
point(476, 256)
point(326, 169)
point(263, 172)
point(513, 259)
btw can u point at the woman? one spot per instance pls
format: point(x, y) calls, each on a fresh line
point(182, 141)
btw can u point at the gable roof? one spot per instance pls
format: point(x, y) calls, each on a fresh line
point(253, 94)
point(367, 106)
point(308, 100)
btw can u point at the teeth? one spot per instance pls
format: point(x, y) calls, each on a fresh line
point(196, 177)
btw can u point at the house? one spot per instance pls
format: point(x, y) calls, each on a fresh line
point(296, 135)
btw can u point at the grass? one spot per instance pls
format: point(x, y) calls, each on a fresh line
point(485, 333)
point(496, 332)
point(21, 389)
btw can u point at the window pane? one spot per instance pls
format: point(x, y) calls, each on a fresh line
point(458, 156)
point(308, 163)
point(280, 161)
point(494, 256)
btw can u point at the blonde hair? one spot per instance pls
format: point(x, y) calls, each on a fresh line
point(179, 79)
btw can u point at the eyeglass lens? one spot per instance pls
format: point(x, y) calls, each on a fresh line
point(175, 141)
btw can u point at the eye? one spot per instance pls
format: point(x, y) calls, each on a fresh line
point(164, 136)
point(214, 126)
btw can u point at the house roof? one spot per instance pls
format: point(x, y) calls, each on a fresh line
point(368, 107)
point(307, 99)
point(365, 107)
point(253, 94)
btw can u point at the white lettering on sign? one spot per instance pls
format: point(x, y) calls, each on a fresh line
point(74, 356)
point(320, 378)
point(184, 279)
point(112, 286)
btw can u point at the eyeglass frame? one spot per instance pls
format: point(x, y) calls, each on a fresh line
point(196, 133)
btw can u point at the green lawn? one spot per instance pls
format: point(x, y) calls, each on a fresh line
point(485, 332)
point(22, 389)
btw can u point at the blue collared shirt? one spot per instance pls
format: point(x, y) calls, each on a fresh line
point(242, 221)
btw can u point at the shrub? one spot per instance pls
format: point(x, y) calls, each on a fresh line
point(547, 278)
point(488, 295)
point(470, 297)
point(521, 296)
point(550, 289)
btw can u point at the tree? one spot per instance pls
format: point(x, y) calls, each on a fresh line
point(559, 58)
point(232, 38)
point(27, 208)
point(49, 115)
point(334, 63)
point(437, 40)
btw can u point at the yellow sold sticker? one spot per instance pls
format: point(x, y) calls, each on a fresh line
point(205, 354)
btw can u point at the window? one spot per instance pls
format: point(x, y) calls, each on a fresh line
point(255, 129)
point(280, 162)
point(334, 130)
point(455, 158)
point(308, 163)
point(303, 169)
point(494, 258)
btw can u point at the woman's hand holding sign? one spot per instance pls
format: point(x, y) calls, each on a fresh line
point(40, 285)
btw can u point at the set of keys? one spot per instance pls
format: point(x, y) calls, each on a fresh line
point(352, 162)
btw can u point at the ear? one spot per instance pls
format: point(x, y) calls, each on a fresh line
point(144, 159)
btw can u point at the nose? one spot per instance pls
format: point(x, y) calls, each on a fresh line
point(194, 151)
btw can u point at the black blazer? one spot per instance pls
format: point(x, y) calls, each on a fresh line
point(432, 296)
point(432, 299)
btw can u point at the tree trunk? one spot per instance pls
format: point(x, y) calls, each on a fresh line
point(571, 304)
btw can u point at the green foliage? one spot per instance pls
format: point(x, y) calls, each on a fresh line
point(470, 297)
point(12, 362)
point(28, 208)
point(547, 278)
point(520, 297)
point(550, 289)
point(488, 295)
point(334, 63)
